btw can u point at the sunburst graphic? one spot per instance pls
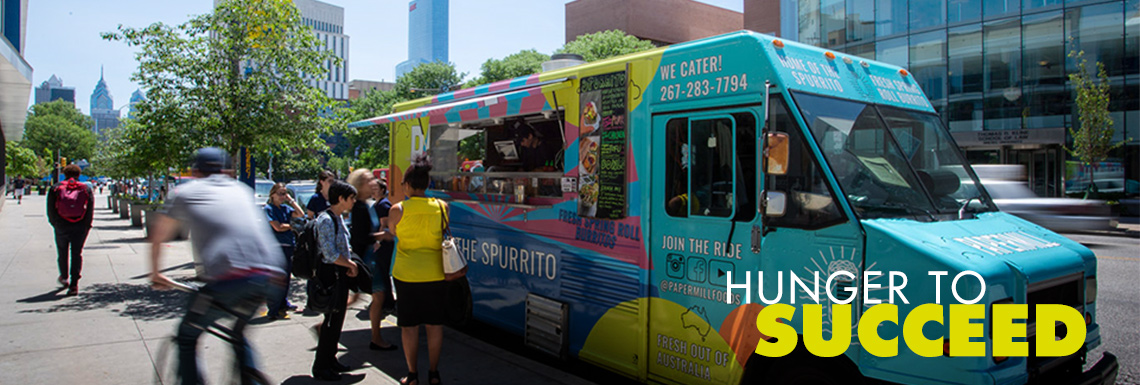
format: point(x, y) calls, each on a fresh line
point(830, 263)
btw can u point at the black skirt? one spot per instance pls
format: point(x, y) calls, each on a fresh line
point(421, 303)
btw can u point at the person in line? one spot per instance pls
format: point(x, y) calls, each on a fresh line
point(241, 261)
point(337, 266)
point(384, 303)
point(365, 224)
point(70, 210)
point(319, 201)
point(280, 209)
point(18, 190)
point(418, 269)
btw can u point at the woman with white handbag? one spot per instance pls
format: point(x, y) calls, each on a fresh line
point(419, 223)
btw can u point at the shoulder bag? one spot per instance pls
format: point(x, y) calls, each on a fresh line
point(454, 265)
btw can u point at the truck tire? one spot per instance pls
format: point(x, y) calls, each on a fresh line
point(801, 367)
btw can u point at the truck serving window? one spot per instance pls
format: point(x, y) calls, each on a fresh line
point(810, 204)
point(499, 156)
point(891, 163)
point(719, 161)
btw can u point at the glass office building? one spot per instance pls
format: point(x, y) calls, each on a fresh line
point(427, 34)
point(996, 70)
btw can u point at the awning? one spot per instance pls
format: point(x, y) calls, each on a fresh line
point(526, 100)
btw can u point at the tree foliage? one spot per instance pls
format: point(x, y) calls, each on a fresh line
point(518, 64)
point(63, 109)
point(236, 77)
point(20, 161)
point(1092, 141)
point(53, 132)
point(605, 44)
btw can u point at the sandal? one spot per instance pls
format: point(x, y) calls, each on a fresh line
point(411, 378)
point(433, 377)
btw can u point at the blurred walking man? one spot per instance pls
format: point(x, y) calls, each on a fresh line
point(241, 259)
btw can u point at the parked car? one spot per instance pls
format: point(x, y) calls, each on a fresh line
point(1057, 214)
point(302, 191)
point(261, 189)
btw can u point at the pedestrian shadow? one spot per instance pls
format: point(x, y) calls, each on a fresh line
point(45, 297)
point(116, 228)
point(139, 301)
point(129, 240)
point(391, 362)
point(184, 266)
point(345, 378)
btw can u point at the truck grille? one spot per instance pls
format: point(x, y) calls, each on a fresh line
point(1059, 291)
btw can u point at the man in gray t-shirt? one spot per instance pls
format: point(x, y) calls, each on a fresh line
point(240, 258)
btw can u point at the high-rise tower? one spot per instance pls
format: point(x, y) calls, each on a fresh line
point(427, 34)
point(103, 107)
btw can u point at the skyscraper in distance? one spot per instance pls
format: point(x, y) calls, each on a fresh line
point(103, 107)
point(427, 34)
point(53, 89)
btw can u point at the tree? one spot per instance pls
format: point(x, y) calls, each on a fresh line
point(523, 63)
point(1093, 140)
point(52, 136)
point(237, 77)
point(427, 79)
point(605, 44)
point(63, 109)
point(20, 161)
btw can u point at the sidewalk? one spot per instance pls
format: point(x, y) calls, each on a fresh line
point(111, 332)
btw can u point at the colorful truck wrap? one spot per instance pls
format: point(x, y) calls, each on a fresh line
point(616, 197)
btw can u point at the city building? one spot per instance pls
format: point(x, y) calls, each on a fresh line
point(327, 21)
point(136, 97)
point(103, 107)
point(996, 70)
point(15, 76)
point(357, 87)
point(427, 34)
point(53, 89)
point(663, 22)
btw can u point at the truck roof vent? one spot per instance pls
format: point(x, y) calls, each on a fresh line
point(562, 60)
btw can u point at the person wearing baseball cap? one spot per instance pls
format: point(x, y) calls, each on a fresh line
point(241, 259)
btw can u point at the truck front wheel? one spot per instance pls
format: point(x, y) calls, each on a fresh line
point(801, 367)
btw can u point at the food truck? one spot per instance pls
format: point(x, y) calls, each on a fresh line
point(616, 197)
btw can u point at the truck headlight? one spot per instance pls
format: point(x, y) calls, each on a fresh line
point(1090, 290)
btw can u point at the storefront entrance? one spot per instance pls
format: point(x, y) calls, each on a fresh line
point(1042, 165)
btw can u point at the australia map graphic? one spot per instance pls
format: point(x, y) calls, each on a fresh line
point(696, 319)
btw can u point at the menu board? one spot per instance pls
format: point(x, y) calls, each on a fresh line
point(602, 146)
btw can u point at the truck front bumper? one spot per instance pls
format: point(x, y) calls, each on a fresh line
point(1103, 373)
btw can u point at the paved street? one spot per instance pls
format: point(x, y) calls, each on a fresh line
point(111, 333)
point(1118, 298)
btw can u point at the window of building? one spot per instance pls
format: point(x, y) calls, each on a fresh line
point(719, 162)
point(1043, 66)
point(860, 21)
point(810, 203)
point(809, 22)
point(928, 64)
point(1029, 5)
point(1002, 71)
point(926, 14)
point(891, 17)
point(893, 51)
point(965, 78)
point(963, 11)
point(993, 9)
point(833, 15)
point(866, 51)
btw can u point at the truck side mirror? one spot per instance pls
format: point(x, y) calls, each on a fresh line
point(777, 153)
point(776, 203)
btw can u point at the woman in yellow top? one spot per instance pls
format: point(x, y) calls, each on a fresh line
point(418, 269)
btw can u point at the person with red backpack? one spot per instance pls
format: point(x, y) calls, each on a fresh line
point(70, 209)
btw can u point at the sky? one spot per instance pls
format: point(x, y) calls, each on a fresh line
point(63, 36)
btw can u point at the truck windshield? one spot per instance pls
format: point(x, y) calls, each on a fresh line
point(892, 162)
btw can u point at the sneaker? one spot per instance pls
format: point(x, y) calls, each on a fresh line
point(73, 291)
point(62, 281)
point(282, 314)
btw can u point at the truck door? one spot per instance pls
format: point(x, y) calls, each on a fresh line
point(704, 203)
point(811, 232)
